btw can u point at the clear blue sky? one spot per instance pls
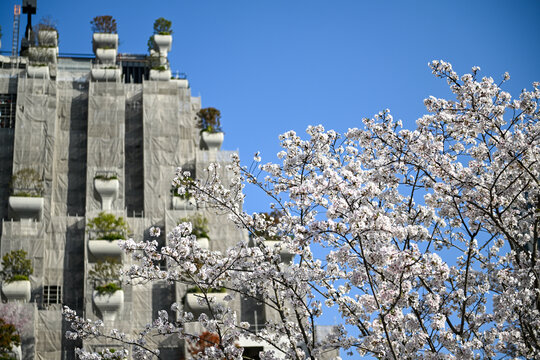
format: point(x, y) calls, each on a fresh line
point(275, 65)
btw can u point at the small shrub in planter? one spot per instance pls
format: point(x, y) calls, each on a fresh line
point(26, 183)
point(16, 266)
point(209, 120)
point(9, 338)
point(162, 26)
point(107, 226)
point(104, 24)
point(199, 225)
point(160, 68)
point(107, 176)
point(185, 195)
point(106, 275)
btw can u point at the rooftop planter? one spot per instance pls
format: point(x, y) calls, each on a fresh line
point(16, 269)
point(199, 228)
point(108, 295)
point(106, 56)
point(160, 73)
point(162, 39)
point(48, 37)
point(107, 74)
point(38, 71)
point(216, 296)
point(43, 55)
point(107, 186)
point(105, 32)
point(104, 232)
point(211, 132)
point(26, 194)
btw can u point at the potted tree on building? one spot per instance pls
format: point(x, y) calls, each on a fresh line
point(46, 51)
point(211, 132)
point(26, 194)
point(104, 231)
point(108, 295)
point(105, 46)
point(161, 43)
point(16, 270)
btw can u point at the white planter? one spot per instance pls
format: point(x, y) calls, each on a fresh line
point(106, 56)
point(213, 141)
point(204, 243)
point(192, 301)
point(16, 352)
point(109, 75)
point(102, 249)
point(162, 44)
point(26, 207)
point(107, 190)
point(103, 40)
point(48, 38)
point(286, 255)
point(109, 305)
point(43, 55)
point(37, 72)
point(17, 291)
point(156, 75)
point(179, 203)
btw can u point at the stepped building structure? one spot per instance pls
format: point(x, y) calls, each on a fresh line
point(81, 136)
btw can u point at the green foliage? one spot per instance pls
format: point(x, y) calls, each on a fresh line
point(199, 225)
point(109, 288)
point(198, 290)
point(159, 68)
point(107, 275)
point(150, 44)
point(107, 176)
point(9, 337)
point(16, 266)
point(162, 26)
point(209, 119)
point(26, 182)
point(108, 227)
point(104, 24)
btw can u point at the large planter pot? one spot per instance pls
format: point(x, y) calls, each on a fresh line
point(16, 352)
point(106, 56)
point(26, 207)
point(156, 75)
point(48, 38)
point(43, 55)
point(17, 291)
point(109, 305)
point(162, 44)
point(179, 203)
point(204, 243)
point(103, 249)
point(37, 72)
point(107, 190)
point(108, 75)
point(284, 253)
point(103, 40)
point(212, 141)
point(192, 301)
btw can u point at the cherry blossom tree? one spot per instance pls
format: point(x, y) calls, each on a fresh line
point(430, 237)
